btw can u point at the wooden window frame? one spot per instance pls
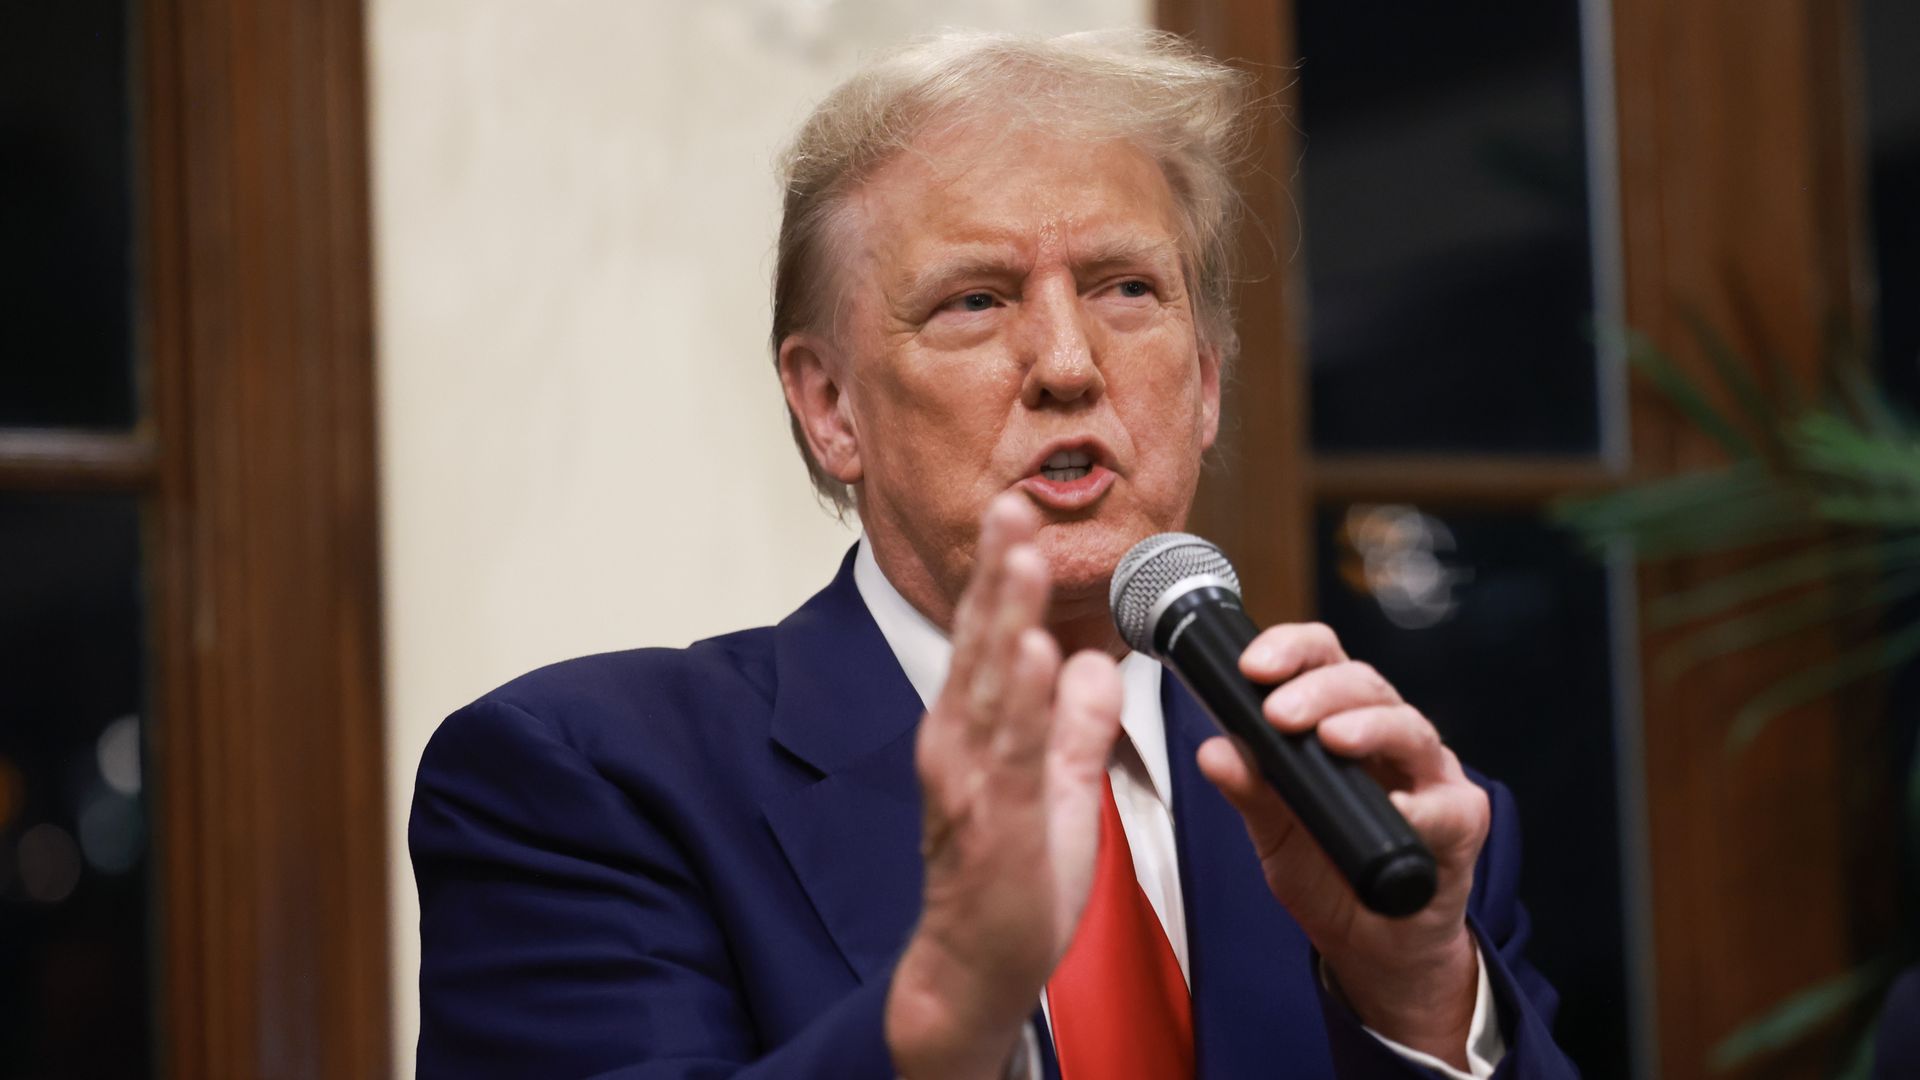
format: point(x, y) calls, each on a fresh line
point(254, 461)
point(269, 753)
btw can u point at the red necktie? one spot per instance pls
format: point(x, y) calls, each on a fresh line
point(1119, 1005)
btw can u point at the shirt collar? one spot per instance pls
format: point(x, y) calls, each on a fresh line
point(925, 654)
point(923, 651)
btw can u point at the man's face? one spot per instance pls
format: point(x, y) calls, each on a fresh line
point(1017, 319)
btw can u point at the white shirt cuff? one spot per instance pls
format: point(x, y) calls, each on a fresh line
point(1485, 1043)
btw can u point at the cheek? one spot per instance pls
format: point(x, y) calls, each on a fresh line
point(941, 419)
point(1168, 402)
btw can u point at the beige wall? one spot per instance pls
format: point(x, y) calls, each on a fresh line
point(582, 440)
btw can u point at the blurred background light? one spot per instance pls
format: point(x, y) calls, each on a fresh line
point(49, 863)
point(117, 753)
point(111, 833)
point(1393, 554)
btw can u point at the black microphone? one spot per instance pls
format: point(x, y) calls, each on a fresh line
point(1176, 597)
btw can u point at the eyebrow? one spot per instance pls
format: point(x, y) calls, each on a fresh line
point(1118, 251)
point(940, 274)
point(1003, 264)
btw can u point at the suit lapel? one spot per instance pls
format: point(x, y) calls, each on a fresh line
point(843, 706)
point(1255, 1009)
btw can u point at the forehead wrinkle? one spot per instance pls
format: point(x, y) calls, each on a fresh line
point(940, 228)
point(1003, 251)
point(886, 213)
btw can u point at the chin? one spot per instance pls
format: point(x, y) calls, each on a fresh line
point(1081, 556)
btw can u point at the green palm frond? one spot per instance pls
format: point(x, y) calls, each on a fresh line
point(1859, 1064)
point(1823, 678)
point(1695, 513)
point(1730, 635)
point(1833, 446)
point(1836, 561)
point(1757, 409)
point(1804, 1013)
point(1842, 476)
point(1687, 395)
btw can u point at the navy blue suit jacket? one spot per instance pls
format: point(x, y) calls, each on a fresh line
point(703, 862)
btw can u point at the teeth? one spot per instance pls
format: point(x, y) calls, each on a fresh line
point(1065, 474)
point(1070, 459)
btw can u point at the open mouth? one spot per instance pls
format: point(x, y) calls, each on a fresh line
point(1072, 478)
point(1067, 466)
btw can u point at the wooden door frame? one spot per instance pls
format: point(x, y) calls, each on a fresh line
point(267, 745)
point(1256, 498)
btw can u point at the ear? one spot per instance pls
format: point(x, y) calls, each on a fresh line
point(813, 376)
point(1209, 395)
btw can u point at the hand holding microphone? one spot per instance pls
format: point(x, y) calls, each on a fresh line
point(1379, 882)
point(1177, 598)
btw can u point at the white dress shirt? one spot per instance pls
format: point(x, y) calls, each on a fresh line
point(1142, 789)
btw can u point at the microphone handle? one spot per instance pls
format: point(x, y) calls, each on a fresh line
point(1202, 635)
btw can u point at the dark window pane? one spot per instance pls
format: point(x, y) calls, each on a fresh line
point(1497, 628)
point(74, 954)
point(1891, 30)
point(66, 294)
point(1444, 204)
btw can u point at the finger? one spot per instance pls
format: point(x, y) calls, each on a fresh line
point(1007, 523)
point(1223, 763)
point(1024, 585)
point(1021, 602)
point(1086, 716)
point(1312, 696)
point(1455, 815)
point(1281, 652)
point(1396, 735)
point(971, 616)
point(1269, 820)
point(1021, 731)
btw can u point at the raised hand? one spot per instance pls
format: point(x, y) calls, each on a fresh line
point(1414, 979)
point(1011, 759)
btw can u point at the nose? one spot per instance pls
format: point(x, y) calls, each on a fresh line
point(1062, 365)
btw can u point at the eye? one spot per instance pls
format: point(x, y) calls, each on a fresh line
point(1135, 289)
point(976, 301)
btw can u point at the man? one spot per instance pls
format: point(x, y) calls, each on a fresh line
point(861, 843)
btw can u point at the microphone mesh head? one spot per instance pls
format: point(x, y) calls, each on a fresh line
point(1153, 566)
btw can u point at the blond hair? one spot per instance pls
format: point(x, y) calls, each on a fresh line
point(1147, 88)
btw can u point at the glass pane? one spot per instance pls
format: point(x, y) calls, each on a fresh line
point(66, 293)
point(1890, 30)
point(1444, 204)
point(74, 900)
point(1497, 628)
